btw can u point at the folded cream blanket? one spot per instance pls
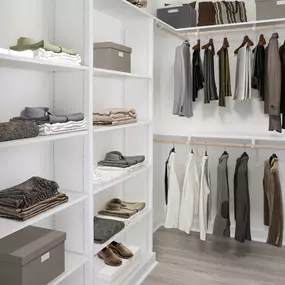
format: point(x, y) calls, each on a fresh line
point(113, 111)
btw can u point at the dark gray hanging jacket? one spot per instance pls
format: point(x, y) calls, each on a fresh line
point(222, 221)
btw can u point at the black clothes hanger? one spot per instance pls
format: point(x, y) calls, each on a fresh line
point(226, 43)
point(246, 40)
point(261, 42)
point(210, 44)
point(187, 42)
point(271, 157)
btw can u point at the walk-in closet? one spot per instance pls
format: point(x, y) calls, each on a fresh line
point(142, 142)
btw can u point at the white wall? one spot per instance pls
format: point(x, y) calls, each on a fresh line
point(239, 118)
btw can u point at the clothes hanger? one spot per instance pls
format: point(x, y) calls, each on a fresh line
point(197, 46)
point(186, 42)
point(274, 155)
point(209, 44)
point(206, 149)
point(262, 40)
point(246, 40)
point(226, 43)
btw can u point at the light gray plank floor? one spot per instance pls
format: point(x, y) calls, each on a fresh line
point(185, 260)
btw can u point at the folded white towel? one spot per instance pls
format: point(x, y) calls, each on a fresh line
point(58, 57)
point(4, 51)
point(58, 128)
point(25, 53)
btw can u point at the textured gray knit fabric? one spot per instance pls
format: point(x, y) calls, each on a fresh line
point(104, 229)
point(28, 193)
point(18, 130)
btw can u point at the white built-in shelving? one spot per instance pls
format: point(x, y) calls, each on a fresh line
point(129, 224)
point(99, 72)
point(69, 158)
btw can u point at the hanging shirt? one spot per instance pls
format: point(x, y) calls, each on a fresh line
point(205, 190)
point(222, 221)
point(190, 195)
point(172, 210)
point(243, 74)
point(198, 77)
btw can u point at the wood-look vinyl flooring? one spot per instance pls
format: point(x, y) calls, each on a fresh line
point(185, 260)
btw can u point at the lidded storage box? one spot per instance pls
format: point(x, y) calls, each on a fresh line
point(32, 256)
point(178, 17)
point(112, 56)
point(269, 9)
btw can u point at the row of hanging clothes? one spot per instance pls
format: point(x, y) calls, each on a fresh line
point(261, 68)
point(193, 201)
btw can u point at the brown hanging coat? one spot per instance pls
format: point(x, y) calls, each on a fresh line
point(273, 205)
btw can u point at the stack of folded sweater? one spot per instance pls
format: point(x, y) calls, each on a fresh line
point(116, 165)
point(115, 116)
point(30, 198)
point(50, 124)
point(41, 49)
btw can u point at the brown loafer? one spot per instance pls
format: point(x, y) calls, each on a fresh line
point(121, 250)
point(109, 257)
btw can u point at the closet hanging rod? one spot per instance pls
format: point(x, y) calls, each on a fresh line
point(219, 144)
point(199, 31)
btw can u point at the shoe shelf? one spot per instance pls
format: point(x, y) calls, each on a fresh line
point(99, 187)
point(8, 226)
point(73, 261)
point(11, 61)
point(39, 139)
point(114, 275)
point(99, 72)
point(129, 223)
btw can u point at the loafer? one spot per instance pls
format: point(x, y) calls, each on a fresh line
point(121, 250)
point(109, 257)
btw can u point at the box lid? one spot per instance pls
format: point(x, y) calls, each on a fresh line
point(112, 45)
point(29, 243)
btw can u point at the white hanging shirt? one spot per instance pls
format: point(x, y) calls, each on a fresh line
point(172, 209)
point(204, 211)
point(190, 195)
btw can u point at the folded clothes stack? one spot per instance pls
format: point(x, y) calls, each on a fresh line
point(30, 198)
point(41, 49)
point(50, 124)
point(18, 130)
point(120, 209)
point(114, 117)
point(117, 160)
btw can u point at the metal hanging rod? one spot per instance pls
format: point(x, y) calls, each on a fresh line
point(220, 30)
point(219, 144)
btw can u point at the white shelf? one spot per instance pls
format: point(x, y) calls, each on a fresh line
point(103, 186)
point(108, 275)
point(113, 128)
point(129, 223)
point(73, 262)
point(39, 139)
point(18, 62)
point(121, 9)
point(244, 25)
point(8, 226)
point(99, 72)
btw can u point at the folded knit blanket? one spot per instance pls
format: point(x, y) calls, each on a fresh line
point(28, 193)
point(18, 130)
point(113, 111)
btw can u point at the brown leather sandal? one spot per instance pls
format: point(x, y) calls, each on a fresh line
point(109, 257)
point(121, 250)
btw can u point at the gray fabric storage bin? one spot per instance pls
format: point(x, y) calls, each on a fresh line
point(268, 9)
point(32, 256)
point(112, 56)
point(178, 17)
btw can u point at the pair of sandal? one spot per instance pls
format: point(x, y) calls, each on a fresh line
point(114, 253)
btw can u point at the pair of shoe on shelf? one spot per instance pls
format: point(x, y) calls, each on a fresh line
point(114, 253)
